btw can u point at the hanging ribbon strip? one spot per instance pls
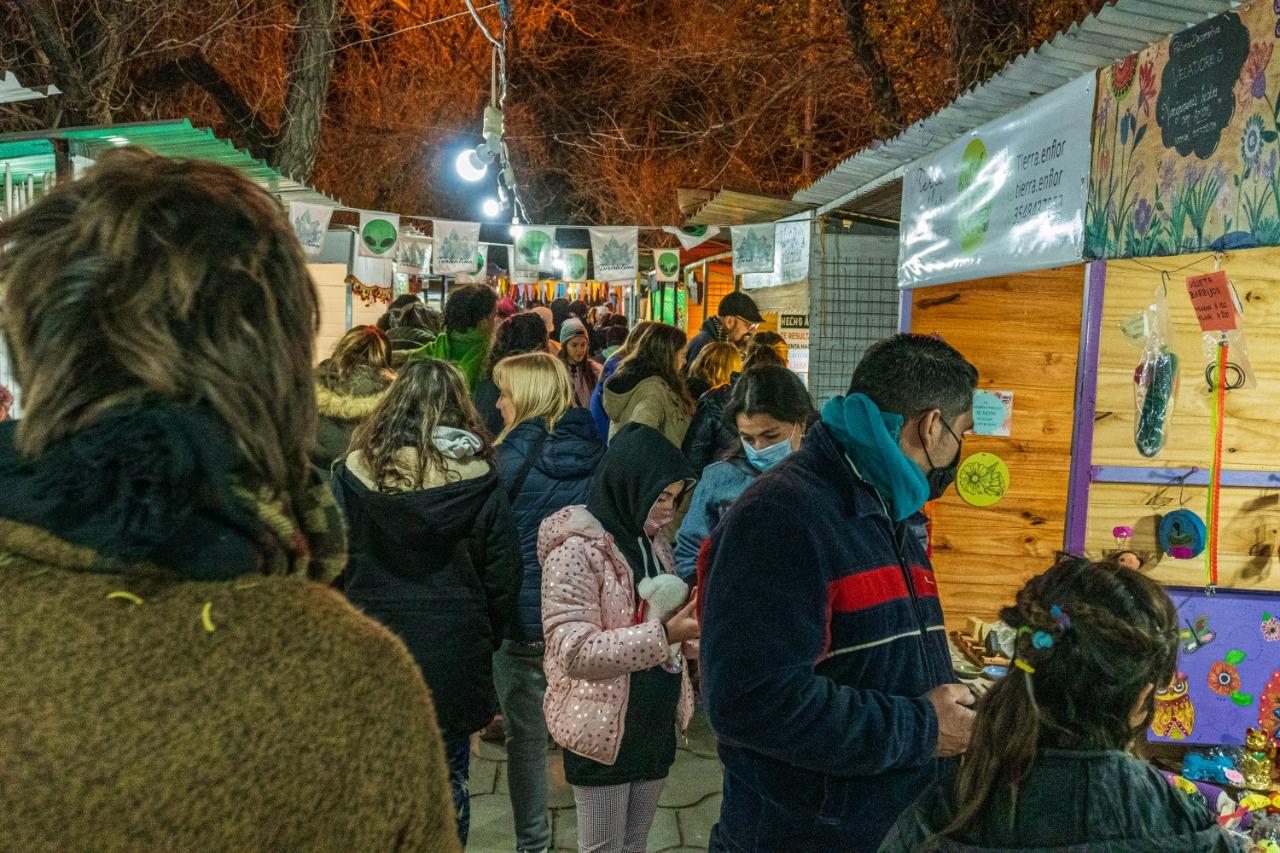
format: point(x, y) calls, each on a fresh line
point(1215, 472)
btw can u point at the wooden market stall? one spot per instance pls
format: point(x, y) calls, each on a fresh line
point(1022, 332)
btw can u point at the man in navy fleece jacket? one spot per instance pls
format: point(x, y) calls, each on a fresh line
point(826, 670)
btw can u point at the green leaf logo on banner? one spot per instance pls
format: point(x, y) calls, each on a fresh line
point(577, 265)
point(974, 220)
point(379, 236)
point(669, 262)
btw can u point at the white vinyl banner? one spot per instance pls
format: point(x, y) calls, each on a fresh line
point(790, 257)
point(413, 254)
point(753, 248)
point(454, 246)
point(1007, 197)
point(615, 253)
point(310, 221)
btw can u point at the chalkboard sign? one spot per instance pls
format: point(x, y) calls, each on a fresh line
point(1196, 98)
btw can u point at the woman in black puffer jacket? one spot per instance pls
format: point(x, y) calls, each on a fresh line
point(547, 453)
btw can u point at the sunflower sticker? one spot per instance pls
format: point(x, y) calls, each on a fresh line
point(983, 479)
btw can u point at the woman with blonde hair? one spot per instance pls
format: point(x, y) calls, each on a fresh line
point(180, 675)
point(349, 386)
point(714, 368)
point(547, 453)
point(648, 387)
point(434, 554)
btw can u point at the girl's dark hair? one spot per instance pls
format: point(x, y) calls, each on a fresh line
point(1114, 632)
point(770, 390)
point(578, 308)
point(362, 350)
point(518, 334)
point(469, 306)
point(559, 313)
point(654, 354)
point(428, 393)
point(615, 336)
point(387, 321)
point(163, 278)
point(762, 355)
point(416, 315)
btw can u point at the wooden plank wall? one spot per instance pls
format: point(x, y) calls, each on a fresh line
point(1250, 517)
point(1022, 333)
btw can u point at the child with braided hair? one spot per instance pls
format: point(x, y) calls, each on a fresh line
point(1049, 766)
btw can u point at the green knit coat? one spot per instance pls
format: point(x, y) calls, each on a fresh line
point(262, 713)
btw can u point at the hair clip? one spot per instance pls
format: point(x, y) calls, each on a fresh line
point(1041, 640)
point(1063, 620)
point(1024, 666)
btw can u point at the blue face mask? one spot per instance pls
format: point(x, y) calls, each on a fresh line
point(765, 459)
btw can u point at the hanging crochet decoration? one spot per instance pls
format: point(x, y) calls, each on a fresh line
point(369, 294)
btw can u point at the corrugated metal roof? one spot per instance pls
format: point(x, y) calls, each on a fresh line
point(1117, 30)
point(12, 91)
point(730, 207)
point(31, 153)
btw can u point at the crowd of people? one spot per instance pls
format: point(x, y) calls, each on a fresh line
point(253, 604)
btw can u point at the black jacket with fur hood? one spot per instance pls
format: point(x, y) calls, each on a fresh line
point(342, 406)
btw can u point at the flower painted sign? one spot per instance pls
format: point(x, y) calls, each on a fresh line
point(1185, 142)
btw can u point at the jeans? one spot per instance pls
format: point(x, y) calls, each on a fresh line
point(521, 683)
point(457, 751)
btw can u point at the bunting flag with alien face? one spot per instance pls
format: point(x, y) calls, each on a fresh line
point(534, 247)
point(454, 246)
point(615, 252)
point(666, 264)
point(379, 233)
point(575, 264)
point(692, 235)
point(310, 222)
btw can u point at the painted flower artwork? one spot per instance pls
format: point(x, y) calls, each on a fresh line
point(1122, 78)
point(1223, 678)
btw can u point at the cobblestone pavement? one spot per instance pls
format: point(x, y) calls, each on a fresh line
point(689, 806)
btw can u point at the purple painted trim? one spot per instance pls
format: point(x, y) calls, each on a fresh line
point(904, 311)
point(1177, 476)
point(1086, 407)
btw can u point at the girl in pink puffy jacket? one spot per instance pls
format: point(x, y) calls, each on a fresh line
point(615, 688)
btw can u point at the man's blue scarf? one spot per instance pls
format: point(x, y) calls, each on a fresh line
point(870, 439)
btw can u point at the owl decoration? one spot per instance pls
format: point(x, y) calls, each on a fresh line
point(1175, 716)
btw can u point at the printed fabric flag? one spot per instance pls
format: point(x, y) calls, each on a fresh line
point(379, 233)
point(752, 248)
point(533, 251)
point(372, 271)
point(692, 235)
point(666, 264)
point(478, 272)
point(575, 264)
point(454, 246)
point(615, 251)
point(413, 254)
point(310, 222)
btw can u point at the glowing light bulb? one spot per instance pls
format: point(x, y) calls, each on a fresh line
point(491, 207)
point(470, 166)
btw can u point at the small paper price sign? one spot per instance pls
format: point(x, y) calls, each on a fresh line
point(1211, 297)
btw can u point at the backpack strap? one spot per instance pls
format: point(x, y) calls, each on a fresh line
point(530, 458)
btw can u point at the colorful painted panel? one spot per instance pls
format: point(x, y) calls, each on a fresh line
point(1185, 142)
point(1228, 669)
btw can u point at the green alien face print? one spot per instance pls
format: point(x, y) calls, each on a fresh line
point(379, 236)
